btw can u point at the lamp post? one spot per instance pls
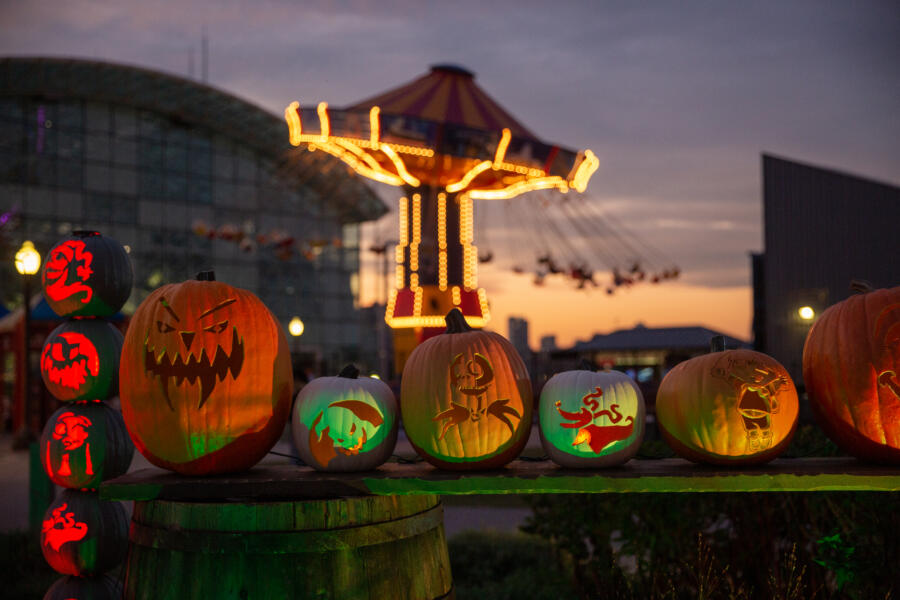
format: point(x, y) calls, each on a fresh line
point(28, 261)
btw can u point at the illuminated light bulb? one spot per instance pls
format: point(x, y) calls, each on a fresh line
point(375, 376)
point(468, 177)
point(374, 126)
point(28, 260)
point(399, 277)
point(442, 241)
point(400, 166)
point(292, 116)
point(585, 169)
point(296, 327)
point(501, 148)
point(456, 294)
point(806, 313)
point(324, 124)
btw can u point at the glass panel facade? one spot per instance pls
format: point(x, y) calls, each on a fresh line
point(160, 187)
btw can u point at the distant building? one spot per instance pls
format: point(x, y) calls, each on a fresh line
point(518, 336)
point(188, 177)
point(548, 343)
point(645, 353)
point(822, 229)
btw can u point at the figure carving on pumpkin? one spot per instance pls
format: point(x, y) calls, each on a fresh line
point(596, 436)
point(480, 373)
point(756, 387)
point(324, 443)
point(61, 528)
point(71, 430)
point(67, 271)
point(887, 332)
point(69, 358)
point(168, 352)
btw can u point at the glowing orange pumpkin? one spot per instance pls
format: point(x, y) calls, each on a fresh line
point(851, 368)
point(466, 398)
point(206, 378)
point(728, 407)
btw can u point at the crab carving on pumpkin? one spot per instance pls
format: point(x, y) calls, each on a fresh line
point(597, 437)
point(325, 444)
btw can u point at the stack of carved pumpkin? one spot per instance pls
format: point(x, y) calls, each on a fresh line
point(207, 379)
point(86, 277)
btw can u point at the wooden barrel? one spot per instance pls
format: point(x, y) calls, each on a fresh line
point(372, 547)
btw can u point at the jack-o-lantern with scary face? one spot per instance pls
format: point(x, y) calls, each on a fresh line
point(345, 423)
point(85, 443)
point(466, 398)
point(80, 360)
point(87, 275)
point(206, 378)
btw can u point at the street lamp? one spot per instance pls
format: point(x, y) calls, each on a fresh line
point(806, 313)
point(296, 327)
point(28, 261)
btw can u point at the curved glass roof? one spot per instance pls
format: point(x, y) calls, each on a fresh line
point(193, 103)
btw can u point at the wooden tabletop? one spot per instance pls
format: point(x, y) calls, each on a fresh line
point(292, 482)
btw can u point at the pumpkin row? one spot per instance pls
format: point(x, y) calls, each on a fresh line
point(207, 387)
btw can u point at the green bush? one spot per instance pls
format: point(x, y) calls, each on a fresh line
point(501, 566)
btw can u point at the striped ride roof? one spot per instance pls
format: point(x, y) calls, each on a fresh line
point(447, 94)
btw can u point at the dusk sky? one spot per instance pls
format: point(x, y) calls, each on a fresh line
point(677, 99)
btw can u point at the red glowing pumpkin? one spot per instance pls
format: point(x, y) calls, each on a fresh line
point(206, 378)
point(83, 535)
point(851, 368)
point(85, 443)
point(466, 398)
point(80, 360)
point(87, 275)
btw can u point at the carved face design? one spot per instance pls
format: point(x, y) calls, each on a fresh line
point(193, 354)
point(67, 272)
point(756, 386)
point(69, 359)
point(347, 433)
point(71, 430)
point(61, 528)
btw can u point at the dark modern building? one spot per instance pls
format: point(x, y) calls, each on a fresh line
point(188, 177)
point(822, 229)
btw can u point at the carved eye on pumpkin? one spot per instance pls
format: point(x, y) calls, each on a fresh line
point(217, 328)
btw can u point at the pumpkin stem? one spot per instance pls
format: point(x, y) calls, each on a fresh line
point(206, 275)
point(717, 343)
point(586, 365)
point(860, 286)
point(83, 233)
point(349, 372)
point(456, 322)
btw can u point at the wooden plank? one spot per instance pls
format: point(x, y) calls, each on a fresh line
point(519, 477)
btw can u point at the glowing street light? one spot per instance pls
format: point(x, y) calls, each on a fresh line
point(296, 327)
point(28, 260)
point(806, 313)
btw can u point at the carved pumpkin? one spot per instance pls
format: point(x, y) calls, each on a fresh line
point(466, 398)
point(80, 360)
point(85, 443)
point(104, 587)
point(851, 368)
point(83, 535)
point(345, 423)
point(206, 378)
point(728, 407)
point(591, 419)
point(87, 275)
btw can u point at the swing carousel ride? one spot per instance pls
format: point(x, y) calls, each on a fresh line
point(446, 143)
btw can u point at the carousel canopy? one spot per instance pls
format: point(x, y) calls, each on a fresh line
point(440, 130)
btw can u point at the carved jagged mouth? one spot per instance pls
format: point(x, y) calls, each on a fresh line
point(194, 369)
